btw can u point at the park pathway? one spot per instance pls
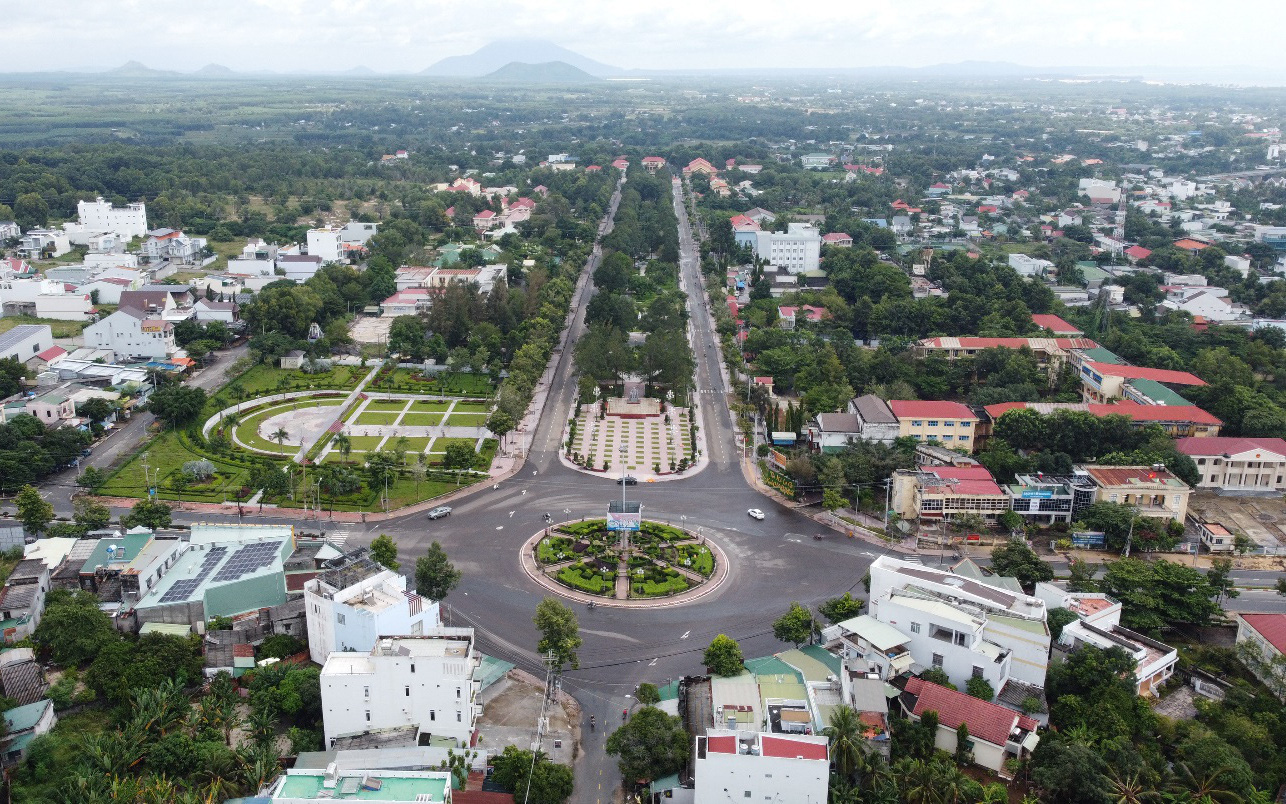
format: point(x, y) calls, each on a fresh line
point(308, 443)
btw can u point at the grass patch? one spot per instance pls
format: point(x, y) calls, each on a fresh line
point(365, 443)
point(587, 579)
point(70, 728)
point(440, 445)
point(165, 455)
point(471, 407)
point(445, 384)
point(264, 379)
point(657, 582)
point(60, 329)
point(429, 406)
point(700, 559)
point(376, 418)
point(386, 404)
point(553, 549)
point(467, 420)
point(414, 445)
point(422, 419)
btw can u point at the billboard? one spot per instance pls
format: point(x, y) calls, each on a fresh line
point(1088, 538)
point(1038, 494)
point(630, 520)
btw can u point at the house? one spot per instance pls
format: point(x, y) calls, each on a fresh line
point(132, 334)
point(1056, 325)
point(300, 267)
point(868, 646)
point(837, 239)
point(329, 784)
point(996, 733)
point(767, 767)
point(1233, 464)
point(1261, 642)
point(1102, 382)
point(9, 231)
point(700, 166)
point(1136, 253)
point(406, 302)
point(173, 245)
point(816, 161)
point(951, 424)
point(1151, 490)
point(349, 606)
point(1190, 245)
point(171, 302)
point(40, 244)
point(24, 724)
point(946, 492)
point(760, 215)
point(875, 419)
point(788, 315)
point(205, 310)
point(22, 678)
point(1030, 266)
point(25, 342)
point(23, 599)
point(832, 432)
point(429, 682)
point(294, 359)
point(127, 222)
point(104, 290)
point(653, 163)
point(324, 243)
point(798, 249)
point(484, 220)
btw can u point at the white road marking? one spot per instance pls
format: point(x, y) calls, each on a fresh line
point(511, 514)
point(652, 663)
point(500, 527)
point(685, 635)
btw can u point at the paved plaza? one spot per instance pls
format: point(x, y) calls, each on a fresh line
point(651, 443)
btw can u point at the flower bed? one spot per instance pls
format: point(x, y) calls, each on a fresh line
point(587, 578)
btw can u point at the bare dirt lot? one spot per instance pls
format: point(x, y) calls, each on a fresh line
point(1263, 519)
point(510, 708)
point(370, 330)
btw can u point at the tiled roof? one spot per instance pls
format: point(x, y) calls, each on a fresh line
point(1138, 252)
point(838, 423)
point(974, 480)
point(1144, 373)
point(873, 409)
point(781, 746)
point(1229, 445)
point(1053, 323)
point(1271, 627)
point(1190, 244)
point(1131, 475)
point(987, 721)
point(920, 409)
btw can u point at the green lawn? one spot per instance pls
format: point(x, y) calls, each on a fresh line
point(376, 418)
point(264, 379)
point(422, 419)
point(429, 406)
point(467, 420)
point(386, 404)
point(471, 407)
point(414, 445)
point(441, 444)
point(365, 443)
point(165, 454)
point(60, 329)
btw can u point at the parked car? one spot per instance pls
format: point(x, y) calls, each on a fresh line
point(755, 513)
point(628, 480)
point(439, 512)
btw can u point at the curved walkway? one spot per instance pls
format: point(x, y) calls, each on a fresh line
point(527, 558)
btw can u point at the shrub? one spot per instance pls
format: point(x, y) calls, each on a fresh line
point(978, 687)
point(198, 470)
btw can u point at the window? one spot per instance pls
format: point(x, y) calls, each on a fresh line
point(937, 660)
point(339, 618)
point(408, 689)
point(366, 692)
point(915, 423)
point(412, 667)
point(1201, 461)
point(368, 716)
point(948, 424)
point(458, 716)
point(915, 628)
point(457, 693)
point(933, 424)
point(747, 794)
point(977, 671)
point(964, 438)
point(948, 438)
point(433, 714)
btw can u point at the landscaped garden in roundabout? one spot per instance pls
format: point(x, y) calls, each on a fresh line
point(657, 561)
point(304, 439)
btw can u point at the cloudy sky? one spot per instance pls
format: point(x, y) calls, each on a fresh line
point(408, 35)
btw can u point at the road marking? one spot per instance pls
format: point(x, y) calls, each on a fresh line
point(869, 555)
point(511, 514)
point(685, 634)
point(796, 541)
point(652, 663)
point(500, 527)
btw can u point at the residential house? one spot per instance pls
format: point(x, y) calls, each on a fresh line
point(997, 734)
point(24, 724)
point(1151, 490)
point(1154, 661)
point(745, 231)
point(653, 163)
point(170, 302)
point(25, 341)
point(869, 647)
point(868, 418)
point(9, 231)
point(947, 492)
point(876, 421)
point(227, 312)
point(104, 290)
point(788, 316)
point(1030, 267)
point(770, 767)
point(172, 245)
point(133, 334)
point(350, 605)
point(22, 678)
point(1261, 644)
point(40, 244)
point(1234, 464)
point(429, 682)
point(127, 222)
point(484, 220)
point(837, 239)
point(22, 600)
point(760, 215)
point(300, 267)
point(951, 424)
point(329, 784)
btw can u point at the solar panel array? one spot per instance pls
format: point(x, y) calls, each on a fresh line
point(248, 559)
point(182, 590)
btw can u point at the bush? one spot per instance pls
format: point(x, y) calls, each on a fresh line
point(279, 646)
point(978, 687)
point(937, 675)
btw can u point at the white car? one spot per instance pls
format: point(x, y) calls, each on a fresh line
point(755, 513)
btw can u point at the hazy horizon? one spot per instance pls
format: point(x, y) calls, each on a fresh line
point(291, 36)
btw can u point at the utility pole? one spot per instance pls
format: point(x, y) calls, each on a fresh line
point(542, 722)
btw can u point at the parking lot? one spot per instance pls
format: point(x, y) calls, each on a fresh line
point(1263, 519)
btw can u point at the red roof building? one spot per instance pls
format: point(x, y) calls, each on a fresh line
point(621, 164)
point(1136, 253)
point(1190, 245)
point(1178, 421)
point(1271, 628)
point(986, 720)
point(1055, 324)
point(927, 409)
point(839, 239)
point(1144, 373)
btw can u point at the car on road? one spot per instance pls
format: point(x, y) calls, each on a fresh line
point(439, 512)
point(755, 513)
point(628, 480)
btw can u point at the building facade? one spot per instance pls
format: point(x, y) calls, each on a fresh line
point(761, 767)
point(349, 607)
point(951, 424)
point(1238, 464)
point(128, 222)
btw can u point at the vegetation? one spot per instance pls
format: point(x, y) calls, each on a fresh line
point(650, 745)
point(723, 657)
point(559, 634)
point(435, 576)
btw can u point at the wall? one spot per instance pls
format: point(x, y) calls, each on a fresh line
point(727, 777)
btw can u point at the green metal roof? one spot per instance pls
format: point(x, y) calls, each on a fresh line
point(1100, 355)
point(770, 666)
point(810, 668)
point(1157, 392)
point(171, 629)
point(665, 783)
point(22, 718)
point(128, 546)
point(824, 656)
point(669, 692)
point(492, 670)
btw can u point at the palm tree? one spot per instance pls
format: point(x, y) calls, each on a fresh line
point(344, 444)
point(845, 733)
point(1209, 787)
point(919, 782)
point(280, 437)
point(263, 726)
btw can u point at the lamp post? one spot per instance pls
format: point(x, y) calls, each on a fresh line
point(625, 534)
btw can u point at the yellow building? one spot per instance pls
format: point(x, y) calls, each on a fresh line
point(950, 424)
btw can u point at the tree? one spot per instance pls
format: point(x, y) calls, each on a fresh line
point(384, 552)
point(1081, 577)
point(1069, 772)
point(723, 656)
point(91, 515)
point(30, 211)
point(559, 633)
point(647, 694)
point(177, 404)
point(34, 512)
point(92, 478)
point(96, 409)
point(500, 423)
point(838, 609)
point(459, 455)
point(795, 626)
point(964, 753)
point(1016, 560)
point(1059, 618)
point(435, 576)
point(979, 687)
point(344, 444)
point(279, 646)
point(1160, 593)
point(533, 779)
point(1220, 579)
point(649, 746)
point(280, 437)
point(848, 744)
point(152, 514)
point(73, 629)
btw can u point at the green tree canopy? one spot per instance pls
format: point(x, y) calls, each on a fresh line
point(559, 633)
point(435, 575)
point(384, 552)
point(650, 745)
point(795, 626)
point(723, 656)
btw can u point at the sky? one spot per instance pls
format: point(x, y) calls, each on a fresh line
point(1205, 38)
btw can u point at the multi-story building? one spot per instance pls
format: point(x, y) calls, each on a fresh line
point(1050, 353)
point(1238, 464)
point(728, 766)
point(947, 492)
point(1103, 382)
point(798, 249)
point(428, 682)
point(951, 424)
point(1151, 490)
point(349, 606)
point(132, 333)
point(128, 222)
point(1178, 421)
point(968, 628)
point(22, 600)
point(1049, 499)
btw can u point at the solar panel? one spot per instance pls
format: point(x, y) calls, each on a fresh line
point(248, 559)
point(181, 590)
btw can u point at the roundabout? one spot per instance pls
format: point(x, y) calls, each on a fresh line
point(654, 566)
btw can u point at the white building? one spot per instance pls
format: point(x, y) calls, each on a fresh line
point(349, 607)
point(25, 341)
point(764, 767)
point(967, 627)
point(111, 260)
point(132, 333)
point(106, 289)
point(64, 306)
point(798, 250)
point(1030, 266)
point(426, 682)
point(1099, 191)
point(39, 244)
point(129, 221)
point(300, 267)
point(324, 243)
point(43, 298)
point(336, 243)
point(1231, 463)
point(206, 310)
point(324, 786)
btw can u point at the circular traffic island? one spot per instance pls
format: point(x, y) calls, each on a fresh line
point(659, 564)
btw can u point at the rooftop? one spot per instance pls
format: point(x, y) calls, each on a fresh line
point(1272, 627)
point(924, 409)
point(987, 721)
point(1230, 445)
point(213, 564)
point(375, 785)
point(1133, 476)
point(1141, 372)
point(21, 333)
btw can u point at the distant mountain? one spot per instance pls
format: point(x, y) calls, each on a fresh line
point(550, 72)
point(360, 69)
point(136, 69)
point(497, 55)
point(214, 70)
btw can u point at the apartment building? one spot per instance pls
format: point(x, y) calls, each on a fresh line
point(798, 249)
point(951, 424)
